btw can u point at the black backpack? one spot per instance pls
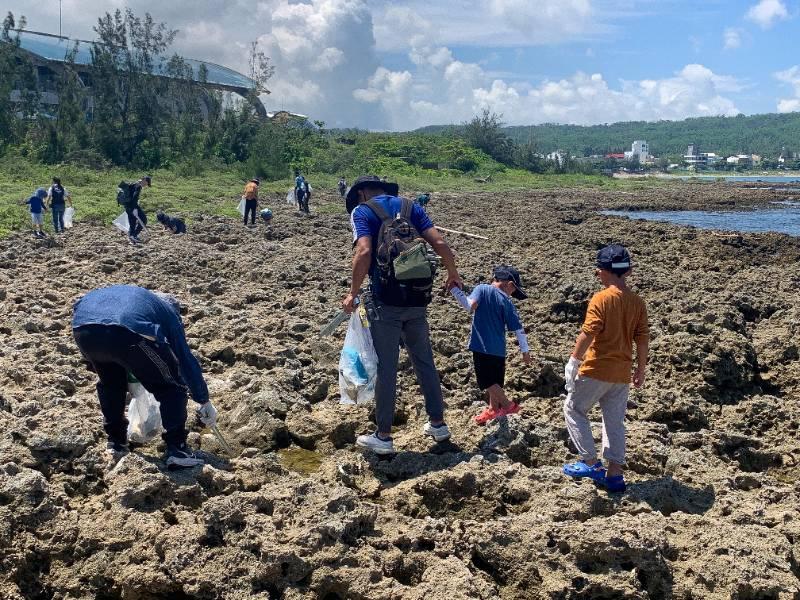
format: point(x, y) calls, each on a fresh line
point(57, 195)
point(405, 267)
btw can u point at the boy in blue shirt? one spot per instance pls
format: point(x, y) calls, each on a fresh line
point(493, 315)
point(37, 207)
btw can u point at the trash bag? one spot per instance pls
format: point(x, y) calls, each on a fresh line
point(290, 199)
point(122, 223)
point(144, 415)
point(358, 364)
point(241, 206)
point(68, 216)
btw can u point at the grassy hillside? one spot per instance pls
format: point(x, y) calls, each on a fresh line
point(759, 134)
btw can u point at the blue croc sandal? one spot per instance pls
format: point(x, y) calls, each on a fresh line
point(581, 469)
point(613, 484)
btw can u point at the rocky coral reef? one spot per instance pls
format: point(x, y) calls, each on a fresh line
point(713, 506)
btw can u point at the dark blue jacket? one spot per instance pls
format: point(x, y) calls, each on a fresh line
point(143, 312)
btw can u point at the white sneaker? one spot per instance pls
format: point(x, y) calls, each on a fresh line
point(180, 457)
point(439, 434)
point(376, 444)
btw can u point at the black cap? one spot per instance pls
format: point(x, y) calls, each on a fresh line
point(256, 180)
point(351, 197)
point(148, 179)
point(614, 258)
point(506, 273)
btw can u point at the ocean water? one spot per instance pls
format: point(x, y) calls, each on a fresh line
point(745, 178)
point(781, 220)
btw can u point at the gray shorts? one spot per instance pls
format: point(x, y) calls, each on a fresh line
point(37, 218)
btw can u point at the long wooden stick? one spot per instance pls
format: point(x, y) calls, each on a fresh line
point(473, 235)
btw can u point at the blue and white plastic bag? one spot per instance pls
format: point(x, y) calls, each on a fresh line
point(358, 364)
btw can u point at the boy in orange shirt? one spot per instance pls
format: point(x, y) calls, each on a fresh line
point(599, 369)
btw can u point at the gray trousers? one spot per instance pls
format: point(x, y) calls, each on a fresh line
point(613, 400)
point(409, 324)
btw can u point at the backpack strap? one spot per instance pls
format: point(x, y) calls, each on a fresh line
point(379, 211)
point(406, 207)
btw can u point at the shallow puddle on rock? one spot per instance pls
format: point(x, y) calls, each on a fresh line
point(300, 460)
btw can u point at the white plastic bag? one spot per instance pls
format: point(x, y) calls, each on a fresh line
point(241, 207)
point(290, 199)
point(144, 415)
point(68, 215)
point(122, 224)
point(358, 364)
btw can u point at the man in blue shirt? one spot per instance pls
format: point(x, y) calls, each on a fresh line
point(127, 329)
point(408, 324)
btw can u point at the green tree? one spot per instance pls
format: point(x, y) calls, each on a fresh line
point(19, 93)
point(9, 69)
point(66, 128)
point(131, 104)
point(485, 132)
point(526, 157)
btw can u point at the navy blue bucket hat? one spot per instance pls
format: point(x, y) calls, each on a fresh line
point(351, 197)
point(614, 258)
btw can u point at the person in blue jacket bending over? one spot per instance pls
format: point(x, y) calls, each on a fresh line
point(125, 328)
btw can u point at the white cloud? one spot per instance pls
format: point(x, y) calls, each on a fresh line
point(767, 12)
point(322, 51)
point(328, 65)
point(454, 91)
point(493, 23)
point(544, 21)
point(791, 77)
point(732, 38)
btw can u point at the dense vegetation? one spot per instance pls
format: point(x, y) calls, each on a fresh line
point(766, 135)
point(144, 120)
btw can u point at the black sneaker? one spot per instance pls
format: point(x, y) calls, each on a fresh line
point(180, 457)
point(116, 450)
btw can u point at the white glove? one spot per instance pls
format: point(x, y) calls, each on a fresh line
point(207, 414)
point(571, 373)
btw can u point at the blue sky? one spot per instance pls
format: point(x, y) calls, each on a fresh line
point(398, 65)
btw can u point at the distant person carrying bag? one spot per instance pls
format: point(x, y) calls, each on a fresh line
point(128, 196)
point(59, 198)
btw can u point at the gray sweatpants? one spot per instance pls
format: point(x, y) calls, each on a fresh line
point(411, 325)
point(613, 400)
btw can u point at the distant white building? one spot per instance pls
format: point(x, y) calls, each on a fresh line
point(695, 159)
point(557, 157)
point(640, 151)
point(740, 160)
